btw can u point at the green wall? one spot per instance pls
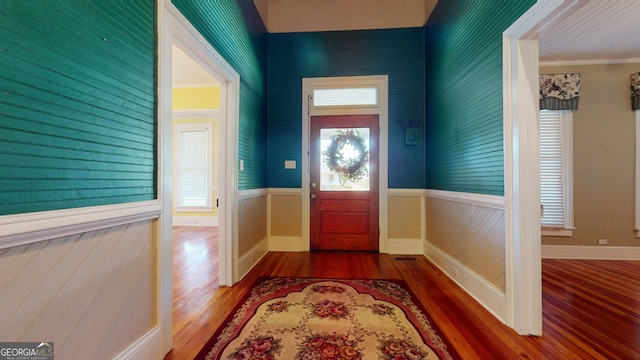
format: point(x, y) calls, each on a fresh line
point(464, 134)
point(235, 30)
point(77, 103)
point(398, 53)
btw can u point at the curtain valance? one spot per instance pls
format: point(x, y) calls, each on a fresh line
point(559, 91)
point(635, 91)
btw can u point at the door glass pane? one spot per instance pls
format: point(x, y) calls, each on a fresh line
point(345, 96)
point(344, 164)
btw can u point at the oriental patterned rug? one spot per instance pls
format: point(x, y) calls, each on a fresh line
point(307, 318)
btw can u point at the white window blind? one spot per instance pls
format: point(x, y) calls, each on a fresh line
point(555, 168)
point(193, 166)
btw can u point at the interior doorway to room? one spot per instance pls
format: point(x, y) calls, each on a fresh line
point(344, 182)
point(197, 168)
point(195, 127)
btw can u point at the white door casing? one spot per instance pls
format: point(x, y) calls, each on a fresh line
point(521, 163)
point(382, 109)
point(175, 29)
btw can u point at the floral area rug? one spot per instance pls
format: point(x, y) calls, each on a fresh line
point(306, 318)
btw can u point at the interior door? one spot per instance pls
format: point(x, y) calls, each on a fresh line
point(344, 182)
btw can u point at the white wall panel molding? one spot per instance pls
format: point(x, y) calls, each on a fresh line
point(405, 192)
point(253, 193)
point(491, 201)
point(22, 229)
point(285, 191)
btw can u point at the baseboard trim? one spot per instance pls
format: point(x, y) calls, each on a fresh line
point(147, 347)
point(405, 246)
point(485, 293)
point(591, 252)
point(251, 257)
point(195, 220)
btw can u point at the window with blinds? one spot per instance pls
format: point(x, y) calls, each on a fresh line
point(556, 168)
point(193, 176)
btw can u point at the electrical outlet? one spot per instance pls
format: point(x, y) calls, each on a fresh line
point(603, 241)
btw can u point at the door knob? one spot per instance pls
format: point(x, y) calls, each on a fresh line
point(313, 185)
point(313, 196)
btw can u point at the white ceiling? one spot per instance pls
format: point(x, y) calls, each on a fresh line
point(186, 72)
point(600, 31)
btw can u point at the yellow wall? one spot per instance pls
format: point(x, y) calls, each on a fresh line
point(603, 156)
point(196, 98)
point(286, 213)
point(199, 98)
point(404, 217)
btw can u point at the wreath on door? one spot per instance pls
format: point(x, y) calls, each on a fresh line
point(351, 167)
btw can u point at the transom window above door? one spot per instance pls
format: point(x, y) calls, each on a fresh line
point(348, 96)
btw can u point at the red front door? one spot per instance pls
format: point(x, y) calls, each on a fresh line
point(344, 182)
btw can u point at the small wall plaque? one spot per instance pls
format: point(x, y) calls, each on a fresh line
point(411, 135)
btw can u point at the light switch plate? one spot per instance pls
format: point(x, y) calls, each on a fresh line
point(289, 164)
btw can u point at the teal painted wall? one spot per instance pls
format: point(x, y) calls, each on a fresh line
point(398, 53)
point(77, 103)
point(235, 30)
point(464, 115)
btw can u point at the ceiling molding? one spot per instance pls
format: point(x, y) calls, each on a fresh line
point(590, 62)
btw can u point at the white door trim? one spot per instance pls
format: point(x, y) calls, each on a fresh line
point(521, 158)
point(174, 28)
point(382, 110)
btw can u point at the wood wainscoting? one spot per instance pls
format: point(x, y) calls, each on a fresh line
point(590, 308)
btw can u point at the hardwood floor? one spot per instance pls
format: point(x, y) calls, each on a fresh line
point(591, 309)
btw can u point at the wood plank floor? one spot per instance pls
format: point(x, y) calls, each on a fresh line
point(591, 309)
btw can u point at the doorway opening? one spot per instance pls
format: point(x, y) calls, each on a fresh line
point(176, 31)
point(196, 171)
point(346, 97)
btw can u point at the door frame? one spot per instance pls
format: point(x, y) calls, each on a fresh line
point(382, 110)
point(523, 249)
point(174, 28)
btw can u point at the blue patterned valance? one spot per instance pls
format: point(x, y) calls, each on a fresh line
point(559, 91)
point(635, 91)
